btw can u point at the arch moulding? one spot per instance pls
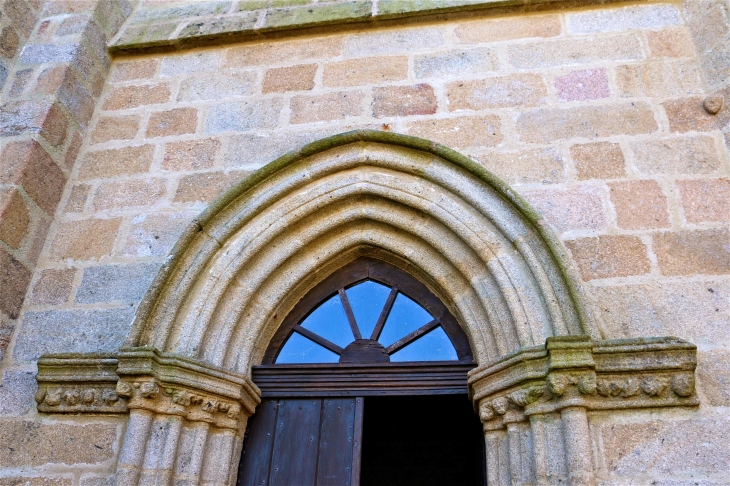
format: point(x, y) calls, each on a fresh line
point(241, 266)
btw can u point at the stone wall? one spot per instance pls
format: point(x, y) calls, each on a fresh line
point(597, 116)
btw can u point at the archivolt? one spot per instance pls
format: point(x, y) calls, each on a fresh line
point(245, 262)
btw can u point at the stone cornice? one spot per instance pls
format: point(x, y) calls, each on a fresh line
point(596, 375)
point(179, 26)
point(144, 378)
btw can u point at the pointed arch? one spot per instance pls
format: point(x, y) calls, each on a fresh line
point(243, 264)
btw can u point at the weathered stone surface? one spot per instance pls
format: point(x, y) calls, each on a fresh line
point(404, 101)
point(590, 84)
point(72, 331)
point(679, 155)
point(671, 42)
point(53, 287)
point(372, 70)
point(77, 199)
point(115, 162)
point(220, 86)
point(462, 62)
point(693, 252)
point(545, 125)
point(111, 283)
point(296, 50)
point(243, 115)
point(626, 18)
point(133, 96)
point(705, 200)
point(688, 115)
point(598, 160)
point(326, 107)
point(217, 25)
point(497, 92)
point(190, 63)
point(659, 79)
point(14, 217)
point(668, 447)
point(155, 235)
point(115, 128)
point(639, 204)
point(318, 14)
point(207, 186)
point(713, 371)
point(43, 53)
point(14, 281)
point(177, 121)
point(190, 154)
point(575, 209)
point(609, 256)
point(529, 166)
point(461, 132)
point(35, 481)
point(567, 52)
point(509, 28)
point(25, 443)
point(33, 116)
point(394, 41)
point(17, 390)
point(131, 193)
point(84, 240)
point(694, 310)
point(291, 78)
point(131, 70)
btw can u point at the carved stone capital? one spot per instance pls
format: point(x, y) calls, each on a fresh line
point(578, 372)
point(144, 378)
point(75, 383)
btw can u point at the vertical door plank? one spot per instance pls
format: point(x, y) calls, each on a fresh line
point(357, 441)
point(335, 443)
point(294, 459)
point(253, 469)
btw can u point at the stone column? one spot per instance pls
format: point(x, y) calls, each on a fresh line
point(578, 451)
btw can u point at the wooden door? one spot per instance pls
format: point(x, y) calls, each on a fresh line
point(303, 442)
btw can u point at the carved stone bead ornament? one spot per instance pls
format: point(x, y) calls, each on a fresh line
point(594, 375)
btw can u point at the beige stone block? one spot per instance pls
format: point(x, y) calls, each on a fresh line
point(516, 27)
point(545, 125)
point(677, 155)
point(326, 107)
point(528, 166)
point(456, 63)
point(14, 281)
point(639, 204)
point(672, 42)
point(689, 115)
point(14, 217)
point(133, 96)
point(609, 256)
point(371, 70)
point(395, 41)
point(86, 239)
point(705, 200)
point(178, 121)
point(284, 51)
point(581, 85)
point(116, 162)
point(574, 51)
point(666, 447)
point(497, 92)
point(404, 101)
point(131, 193)
point(661, 79)
point(53, 287)
point(713, 371)
point(461, 132)
point(693, 252)
point(35, 481)
point(155, 234)
point(290, 78)
point(77, 198)
point(598, 160)
point(115, 128)
point(131, 70)
point(205, 87)
point(573, 209)
point(207, 186)
point(26, 443)
point(697, 311)
point(191, 154)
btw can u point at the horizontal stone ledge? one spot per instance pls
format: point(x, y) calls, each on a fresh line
point(181, 27)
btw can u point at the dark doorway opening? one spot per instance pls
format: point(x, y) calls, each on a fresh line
point(421, 441)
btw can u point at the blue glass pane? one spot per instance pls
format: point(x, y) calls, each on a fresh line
point(405, 317)
point(299, 349)
point(434, 346)
point(330, 321)
point(367, 300)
